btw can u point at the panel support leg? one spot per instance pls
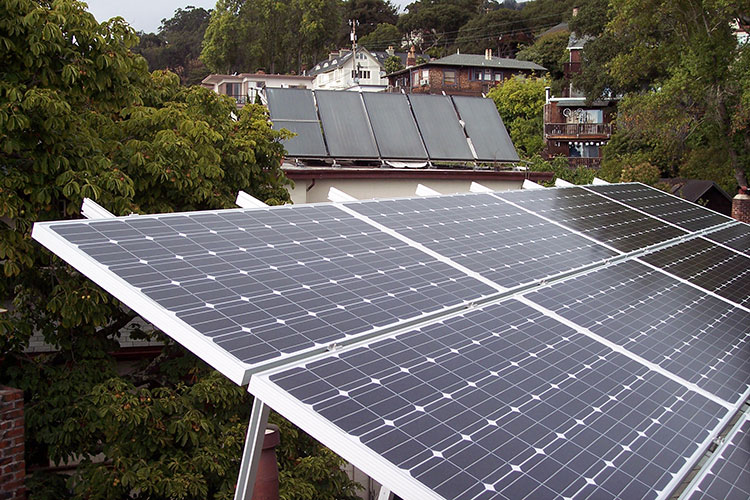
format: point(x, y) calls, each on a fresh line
point(256, 432)
point(385, 493)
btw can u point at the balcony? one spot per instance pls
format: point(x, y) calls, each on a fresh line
point(578, 130)
point(241, 99)
point(594, 163)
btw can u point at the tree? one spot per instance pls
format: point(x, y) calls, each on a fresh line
point(393, 64)
point(541, 15)
point(685, 76)
point(502, 30)
point(370, 14)
point(177, 45)
point(433, 23)
point(80, 116)
point(520, 102)
point(548, 51)
point(384, 36)
point(279, 37)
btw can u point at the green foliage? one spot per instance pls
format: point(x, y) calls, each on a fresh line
point(548, 51)
point(177, 45)
point(643, 172)
point(393, 64)
point(559, 166)
point(278, 37)
point(371, 14)
point(543, 14)
point(80, 116)
point(686, 78)
point(520, 102)
point(384, 36)
point(487, 30)
point(435, 23)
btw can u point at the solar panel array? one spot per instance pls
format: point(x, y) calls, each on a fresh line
point(728, 476)
point(294, 110)
point(481, 346)
point(379, 126)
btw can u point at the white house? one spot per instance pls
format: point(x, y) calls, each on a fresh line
point(345, 71)
point(245, 87)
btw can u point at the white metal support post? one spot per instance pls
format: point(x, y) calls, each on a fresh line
point(256, 432)
point(385, 494)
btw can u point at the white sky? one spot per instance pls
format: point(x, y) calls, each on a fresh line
point(146, 15)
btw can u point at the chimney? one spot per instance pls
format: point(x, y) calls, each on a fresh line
point(575, 11)
point(741, 205)
point(390, 51)
point(333, 55)
point(411, 58)
point(488, 54)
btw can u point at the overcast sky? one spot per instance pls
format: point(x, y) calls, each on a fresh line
point(146, 15)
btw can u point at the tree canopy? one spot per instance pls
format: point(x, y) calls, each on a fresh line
point(177, 44)
point(80, 116)
point(277, 37)
point(685, 78)
point(520, 102)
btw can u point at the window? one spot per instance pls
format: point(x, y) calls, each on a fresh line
point(499, 76)
point(449, 77)
point(234, 89)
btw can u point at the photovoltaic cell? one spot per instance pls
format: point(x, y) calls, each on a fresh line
point(291, 104)
point(736, 236)
point(729, 475)
point(438, 123)
point(714, 268)
point(307, 143)
point(393, 125)
point(345, 124)
point(485, 129)
point(502, 403)
point(487, 235)
point(670, 208)
point(265, 283)
point(689, 333)
point(601, 219)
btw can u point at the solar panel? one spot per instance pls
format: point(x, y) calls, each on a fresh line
point(307, 143)
point(291, 104)
point(346, 125)
point(501, 402)
point(697, 337)
point(714, 268)
point(438, 123)
point(258, 285)
point(736, 236)
point(360, 323)
point(485, 129)
point(501, 242)
point(728, 476)
point(393, 125)
point(603, 220)
point(665, 206)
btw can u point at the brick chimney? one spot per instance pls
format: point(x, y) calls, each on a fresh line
point(12, 464)
point(333, 55)
point(390, 51)
point(411, 58)
point(488, 54)
point(741, 205)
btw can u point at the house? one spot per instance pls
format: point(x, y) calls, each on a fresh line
point(312, 184)
point(574, 128)
point(247, 87)
point(706, 193)
point(460, 74)
point(362, 71)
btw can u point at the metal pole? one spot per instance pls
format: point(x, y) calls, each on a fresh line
point(385, 494)
point(256, 432)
